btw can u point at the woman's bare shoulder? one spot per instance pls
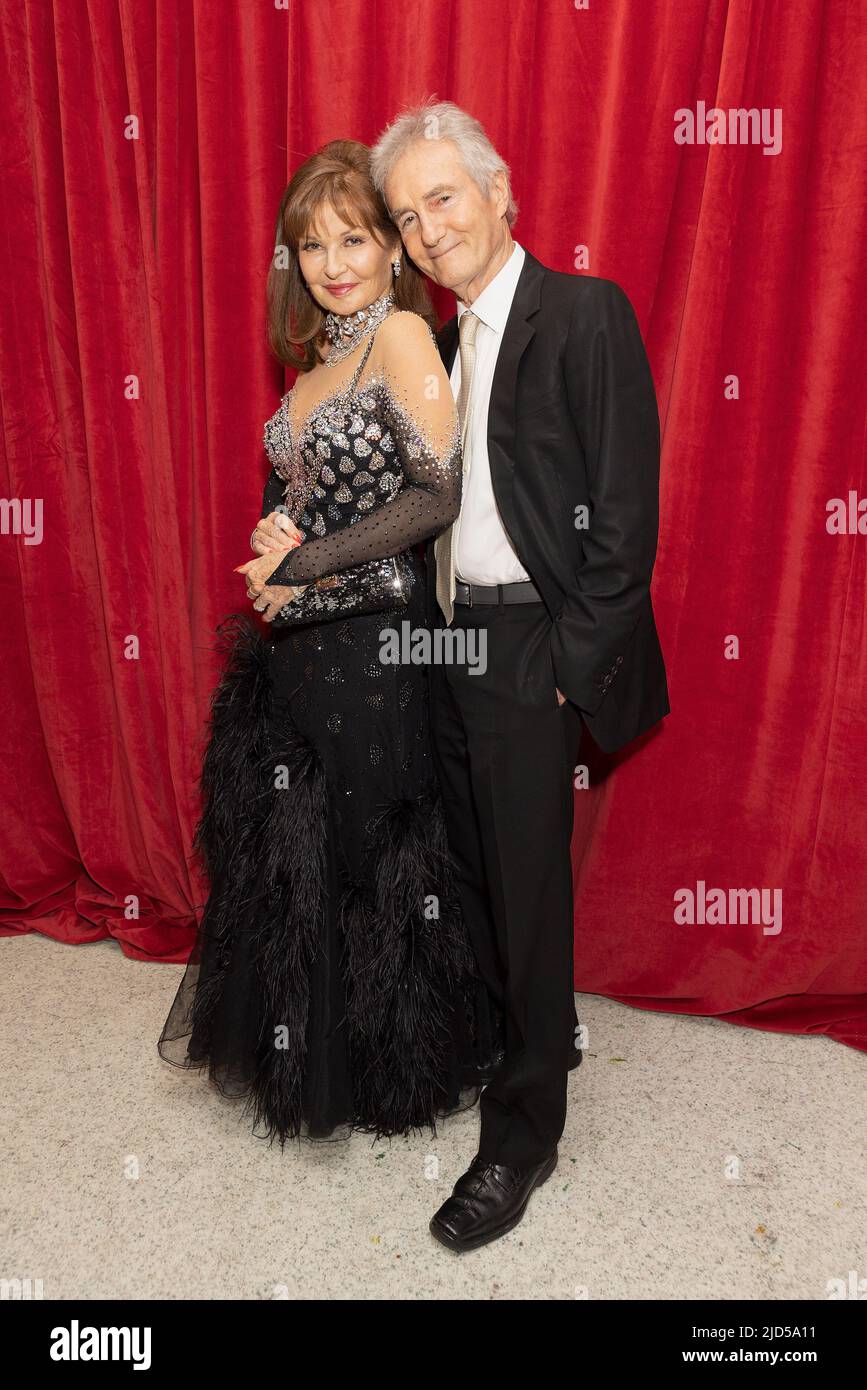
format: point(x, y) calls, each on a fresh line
point(404, 331)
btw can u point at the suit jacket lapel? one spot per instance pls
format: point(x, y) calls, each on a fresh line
point(447, 341)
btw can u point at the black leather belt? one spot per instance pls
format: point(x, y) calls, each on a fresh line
point(524, 591)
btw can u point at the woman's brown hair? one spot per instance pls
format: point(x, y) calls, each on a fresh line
point(338, 175)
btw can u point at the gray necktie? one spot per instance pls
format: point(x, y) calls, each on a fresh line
point(445, 545)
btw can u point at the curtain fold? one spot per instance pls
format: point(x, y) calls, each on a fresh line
point(145, 147)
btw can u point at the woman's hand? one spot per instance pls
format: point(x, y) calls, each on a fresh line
point(257, 572)
point(274, 597)
point(267, 598)
point(275, 532)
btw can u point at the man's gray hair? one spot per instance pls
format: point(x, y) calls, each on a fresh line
point(441, 120)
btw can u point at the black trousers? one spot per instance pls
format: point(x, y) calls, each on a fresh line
point(505, 752)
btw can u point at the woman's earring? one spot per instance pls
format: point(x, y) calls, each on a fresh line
point(395, 265)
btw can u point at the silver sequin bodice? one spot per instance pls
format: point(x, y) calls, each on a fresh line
point(361, 476)
point(344, 462)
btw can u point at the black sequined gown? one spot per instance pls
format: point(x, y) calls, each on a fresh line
point(331, 984)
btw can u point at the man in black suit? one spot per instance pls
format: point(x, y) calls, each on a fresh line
point(551, 556)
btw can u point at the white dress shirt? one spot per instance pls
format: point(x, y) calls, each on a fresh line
point(482, 549)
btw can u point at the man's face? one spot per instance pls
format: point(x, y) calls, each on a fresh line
point(449, 228)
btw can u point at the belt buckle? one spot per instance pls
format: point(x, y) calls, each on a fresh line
point(469, 594)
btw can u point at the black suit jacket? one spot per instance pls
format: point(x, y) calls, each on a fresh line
point(573, 443)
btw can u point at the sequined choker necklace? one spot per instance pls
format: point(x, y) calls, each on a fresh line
point(345, 331)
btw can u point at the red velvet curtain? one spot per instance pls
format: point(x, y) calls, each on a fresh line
point(145, 145)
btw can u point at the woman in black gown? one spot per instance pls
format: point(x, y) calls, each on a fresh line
point(331, 984)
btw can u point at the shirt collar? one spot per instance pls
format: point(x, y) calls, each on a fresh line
point(493, 304)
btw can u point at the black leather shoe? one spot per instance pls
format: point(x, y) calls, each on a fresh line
point(487, 1201)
